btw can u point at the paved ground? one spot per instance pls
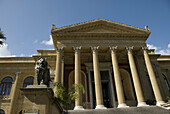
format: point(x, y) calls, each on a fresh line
point(131, 110)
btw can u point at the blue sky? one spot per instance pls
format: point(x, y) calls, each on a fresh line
point(27, 23)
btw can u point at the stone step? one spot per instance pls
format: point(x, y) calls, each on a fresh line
point(130, 110)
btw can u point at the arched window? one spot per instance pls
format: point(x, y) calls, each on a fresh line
point(166, 82)
point(28, 81)
point(5, 86)
point(127, 85)
point(2, 111)
point(83, 82)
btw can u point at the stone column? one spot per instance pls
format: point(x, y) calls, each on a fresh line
point(58, 73)
point(62, 71)
point(135, 77)
point(152, 78)
point(57, 77)
point(14, 94)
point(97, 79)
point(78, 101)
point(118, 82)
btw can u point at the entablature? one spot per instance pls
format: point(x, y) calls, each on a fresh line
point(99, 32)
point(89, 43)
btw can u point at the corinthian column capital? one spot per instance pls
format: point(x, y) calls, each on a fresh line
point(145, 49)
point(129, 49)
point(77, 49)
point(113, 48)
point(95, 49)
point(17, 73)
point(59, 49)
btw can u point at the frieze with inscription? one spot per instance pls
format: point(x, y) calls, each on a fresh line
point(67, 43)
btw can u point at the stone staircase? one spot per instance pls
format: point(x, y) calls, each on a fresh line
point(166, 106)
point(130, 110)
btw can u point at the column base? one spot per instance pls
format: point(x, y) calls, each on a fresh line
point(78, 108)
point(141, 104)
point(123, 105)
point(100, 107)
point(159, 103)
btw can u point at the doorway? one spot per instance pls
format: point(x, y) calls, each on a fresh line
point(106, 89)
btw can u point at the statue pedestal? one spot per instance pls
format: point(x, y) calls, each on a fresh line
point(40, 99)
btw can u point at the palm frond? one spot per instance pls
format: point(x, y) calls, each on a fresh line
point(1, 42)
point(2, 36)
point(65, 97)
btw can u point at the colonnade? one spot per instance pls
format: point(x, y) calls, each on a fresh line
point(117, 77)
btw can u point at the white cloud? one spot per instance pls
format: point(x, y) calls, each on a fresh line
point(168, 45)
point(32, 55)
point(4, 52)
point(35, 41)
point(150, 46)
point(22, 55)
point(159, 50)
point(48, 43)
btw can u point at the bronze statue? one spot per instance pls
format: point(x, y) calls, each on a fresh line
point(42, 72)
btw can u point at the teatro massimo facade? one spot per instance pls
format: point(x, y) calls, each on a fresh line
point(111, 60)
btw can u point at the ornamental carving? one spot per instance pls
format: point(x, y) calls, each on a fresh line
point(113, 48)
point(77, 49)
point(127, 43)
point(129, 49)
point(145, 49)
point(59, 49)
point(94, 49)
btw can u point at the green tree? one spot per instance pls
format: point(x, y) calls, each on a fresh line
point(2, 36)
point(67, 97)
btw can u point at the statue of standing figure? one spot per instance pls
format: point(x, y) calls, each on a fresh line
point(42, 72)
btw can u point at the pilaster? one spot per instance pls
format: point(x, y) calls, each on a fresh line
point(14, 93)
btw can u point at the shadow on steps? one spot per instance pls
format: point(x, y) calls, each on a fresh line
point(131, 110)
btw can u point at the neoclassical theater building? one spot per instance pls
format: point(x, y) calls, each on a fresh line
point(111, 60)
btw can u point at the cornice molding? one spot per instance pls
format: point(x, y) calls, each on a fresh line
point(98, 22)
point(99, 36)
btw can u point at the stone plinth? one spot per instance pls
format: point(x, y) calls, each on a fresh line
point(40, 99)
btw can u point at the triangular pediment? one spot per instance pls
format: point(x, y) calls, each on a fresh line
point(100, 26)
point(100, 30)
